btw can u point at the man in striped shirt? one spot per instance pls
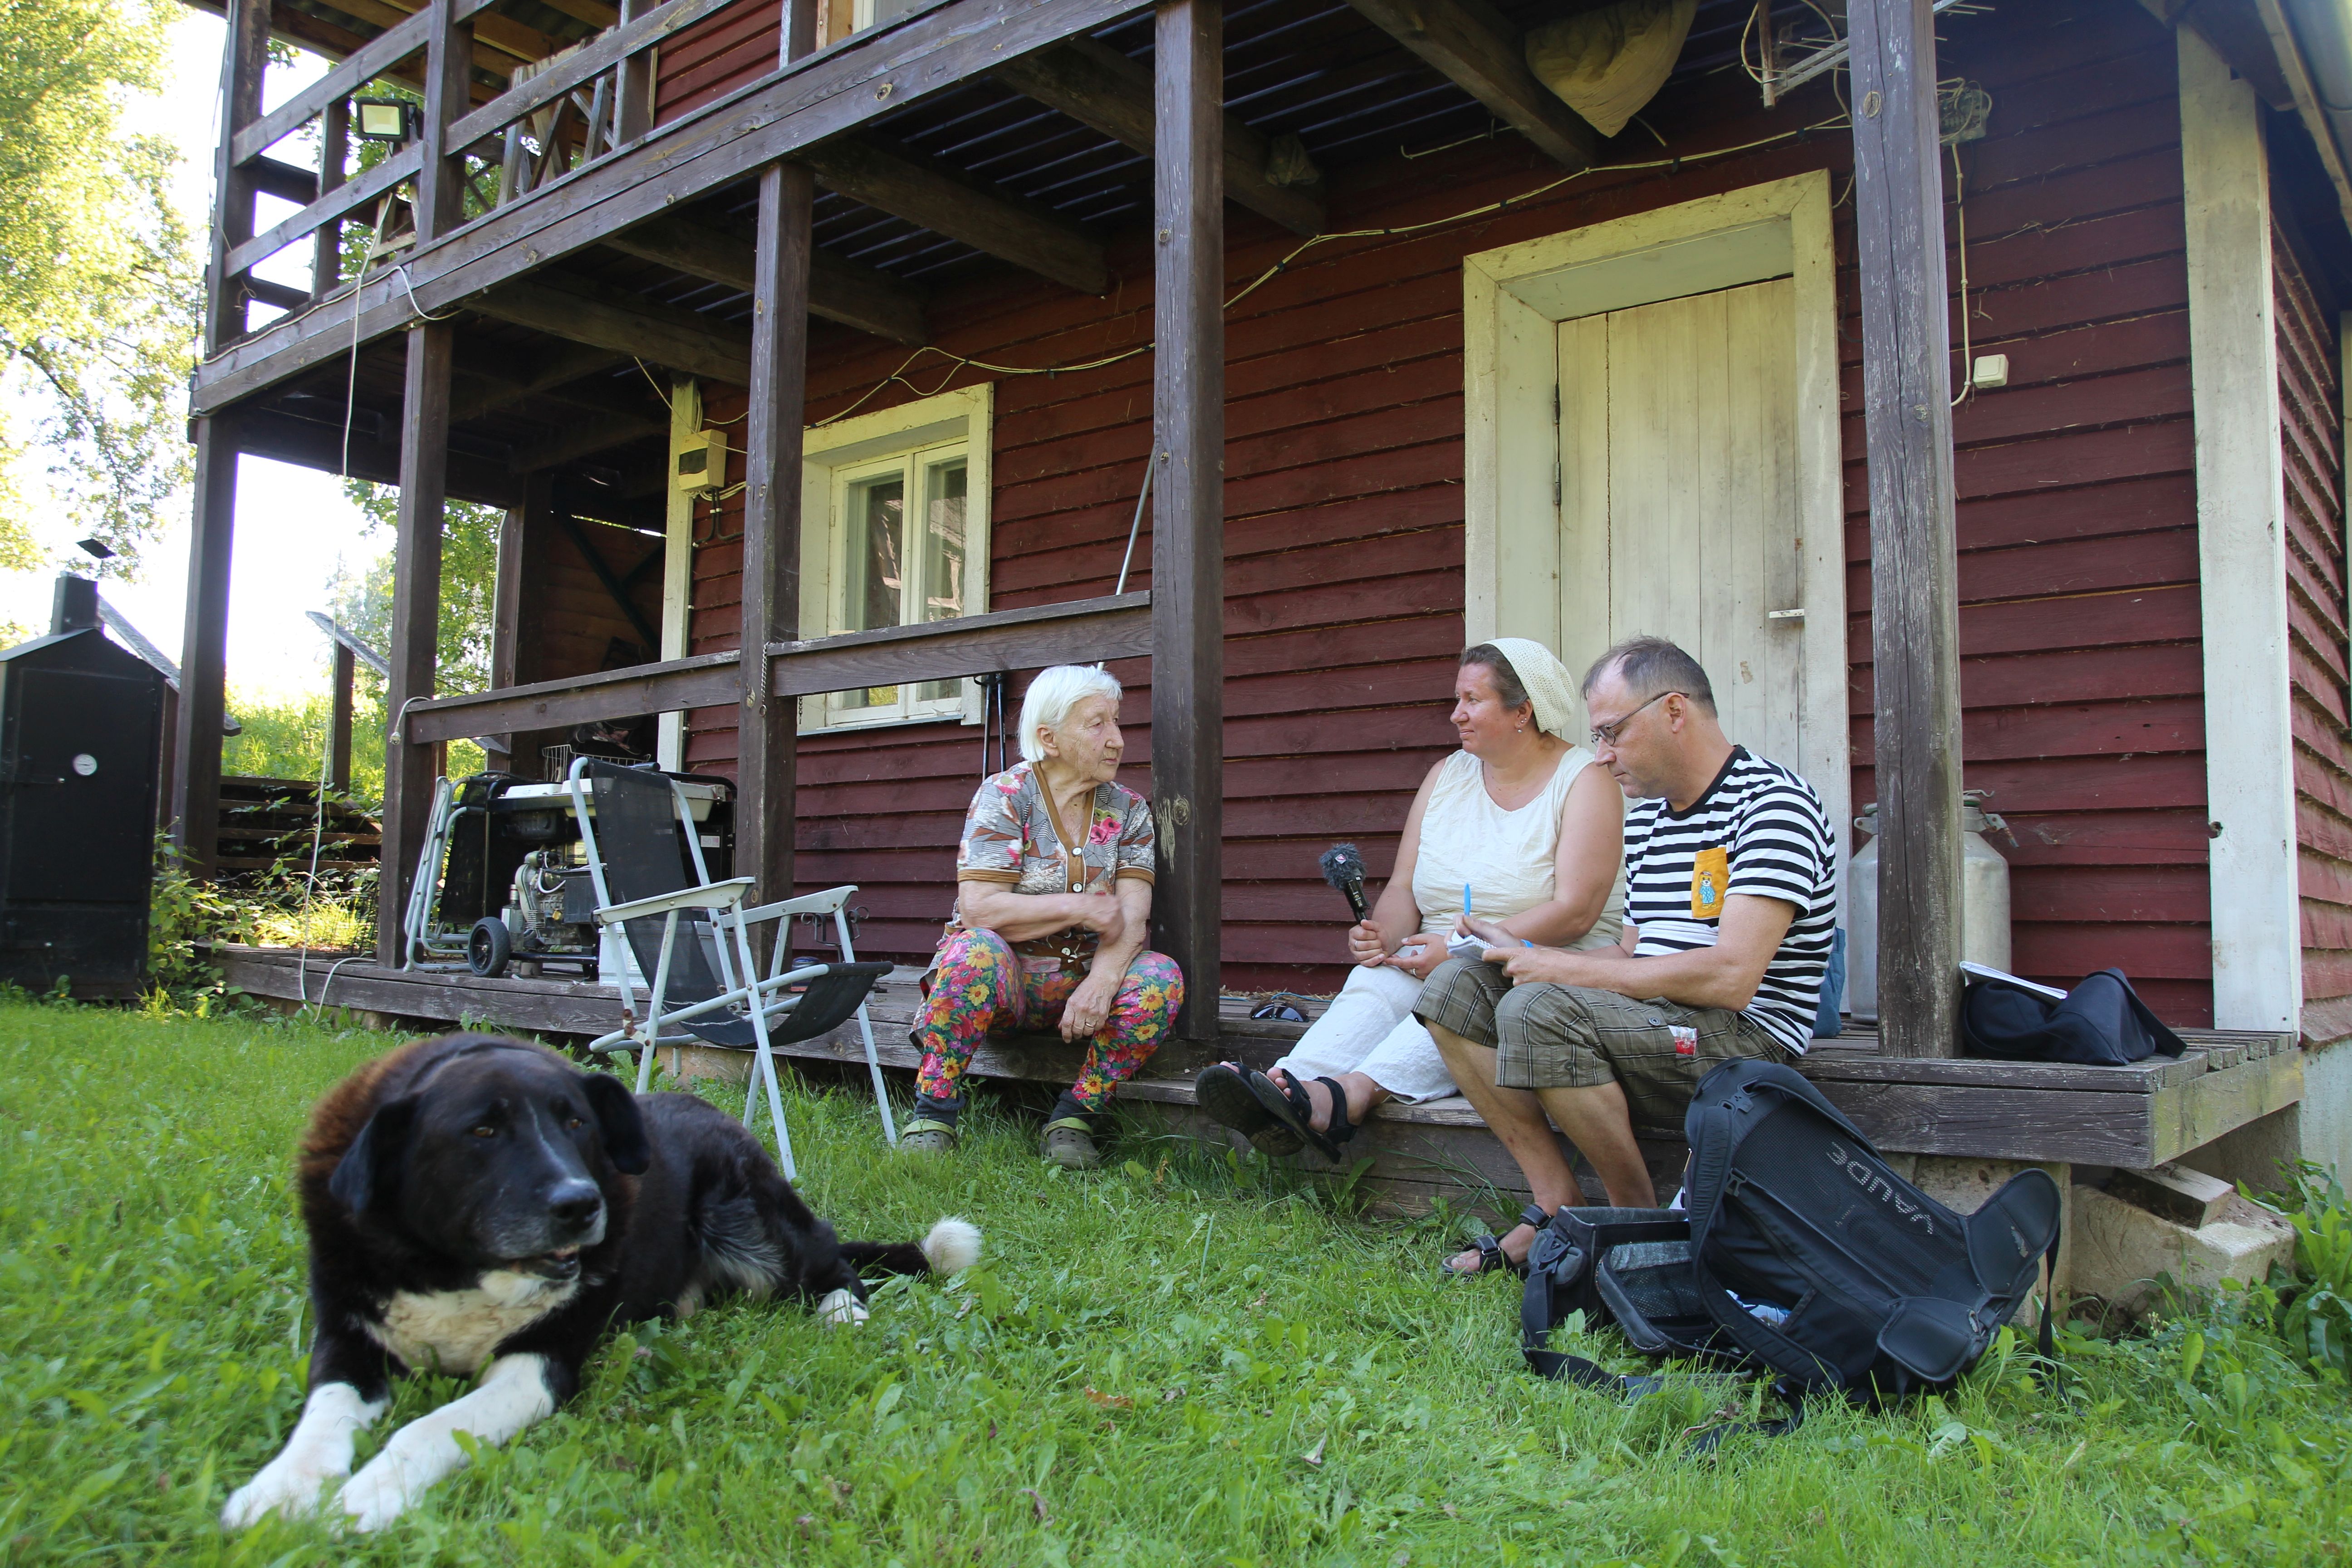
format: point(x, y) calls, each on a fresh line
point(1730, 910)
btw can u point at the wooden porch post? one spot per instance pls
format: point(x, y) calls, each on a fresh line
point(203, 650)
point(245, 56)
point(516, 618)
point(338, 726)
point(408, 767)
point(1898, 197)
point(1188, 528)
point(766, 724)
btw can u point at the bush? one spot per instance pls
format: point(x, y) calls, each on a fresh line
point(283, 909)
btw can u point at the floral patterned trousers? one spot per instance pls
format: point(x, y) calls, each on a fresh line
point(980, 987)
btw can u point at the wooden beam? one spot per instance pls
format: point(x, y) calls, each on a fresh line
point(705, 680)
point(371, 61)
point(877, 72)
point(327, 241)
point(963, 210)
point(2244, 560)
point(245, 56)
point(311, 444)
point(1479, 50)
point(765, 758)
point(503, 378)
point(647, 637)
point(339, 723)
point(584, 438)
point(1088, 631)
point(203, 650)
point(840, 290)
point(440, 192)
point(592, 59)
point(519, 614)
point(408, 767)
point(1099, 87)
point(1188, 520)
point(395, 171)
point(1898, 197)
point(608, 318)
point(284, 181)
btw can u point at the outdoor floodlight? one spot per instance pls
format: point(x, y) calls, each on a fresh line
point(95, 548)
point(383, 119)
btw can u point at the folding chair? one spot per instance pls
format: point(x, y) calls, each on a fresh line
point(692, 938)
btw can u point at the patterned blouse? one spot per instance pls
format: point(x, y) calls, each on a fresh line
point(1009, 837)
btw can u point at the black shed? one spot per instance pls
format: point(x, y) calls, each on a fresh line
point(81, 728)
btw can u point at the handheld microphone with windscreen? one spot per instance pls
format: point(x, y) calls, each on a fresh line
point(1343, 868)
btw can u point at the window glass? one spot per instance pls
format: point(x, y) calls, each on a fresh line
point(942, 586)
point(877, 586)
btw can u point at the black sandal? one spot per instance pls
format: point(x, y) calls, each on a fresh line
point(1224, 1094)
point(1288, 1104)
point(1491, 1254)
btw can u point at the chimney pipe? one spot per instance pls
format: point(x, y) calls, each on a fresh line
point(75, 608)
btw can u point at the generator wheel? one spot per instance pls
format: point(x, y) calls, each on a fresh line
point(488, 947)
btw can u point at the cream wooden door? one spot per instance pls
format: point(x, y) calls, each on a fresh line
point(1678, 500)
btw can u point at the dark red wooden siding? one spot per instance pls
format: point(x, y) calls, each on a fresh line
point(732, 46)
point(1344, 505)
point(2311, 438)
point(2082, 677)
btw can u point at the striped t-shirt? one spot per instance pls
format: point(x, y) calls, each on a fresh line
point(1759, 830)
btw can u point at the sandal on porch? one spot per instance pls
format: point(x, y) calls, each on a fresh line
point(925, 1135)
point(1288, 1104)
point(1223, 1095)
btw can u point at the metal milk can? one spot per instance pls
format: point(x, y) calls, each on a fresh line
point(1984, 902)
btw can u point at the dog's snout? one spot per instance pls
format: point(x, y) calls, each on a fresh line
point(575, 1203)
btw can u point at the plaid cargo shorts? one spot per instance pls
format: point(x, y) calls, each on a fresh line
point(1568, 1037)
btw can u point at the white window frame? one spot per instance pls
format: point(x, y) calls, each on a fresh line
point(839, 456)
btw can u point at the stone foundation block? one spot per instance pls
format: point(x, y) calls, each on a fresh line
point(2120, 1250)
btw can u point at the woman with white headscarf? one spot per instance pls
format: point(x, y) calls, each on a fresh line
point(1520, 825)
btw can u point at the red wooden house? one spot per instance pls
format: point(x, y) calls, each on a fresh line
point(1416, 356)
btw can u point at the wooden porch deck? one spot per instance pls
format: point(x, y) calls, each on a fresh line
point(2135, 1118)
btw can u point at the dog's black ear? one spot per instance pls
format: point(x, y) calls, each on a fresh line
point(370, 1169)
point(624, 1127)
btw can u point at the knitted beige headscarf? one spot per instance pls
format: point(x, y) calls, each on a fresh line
point(1549, 688)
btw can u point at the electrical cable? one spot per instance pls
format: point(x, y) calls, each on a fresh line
point(959, 362)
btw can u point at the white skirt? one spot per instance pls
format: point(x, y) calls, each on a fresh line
point(1369, 1028)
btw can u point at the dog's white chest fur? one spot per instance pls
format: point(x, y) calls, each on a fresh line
point(455, 1330)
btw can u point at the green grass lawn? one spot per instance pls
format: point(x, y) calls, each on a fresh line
point(1179, 1360)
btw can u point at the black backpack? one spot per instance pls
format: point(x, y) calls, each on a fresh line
point(1801, 1257)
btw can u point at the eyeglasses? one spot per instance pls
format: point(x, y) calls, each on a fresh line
point(1606, 734)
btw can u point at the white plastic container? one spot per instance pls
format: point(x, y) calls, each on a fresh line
point(1984, 904)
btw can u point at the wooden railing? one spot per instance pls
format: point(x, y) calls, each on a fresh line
point(1082, 631)
point(578, 105)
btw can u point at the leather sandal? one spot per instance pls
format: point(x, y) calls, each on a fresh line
point(1492, 1259)
point(1288, 1104)
point(1223, 1095)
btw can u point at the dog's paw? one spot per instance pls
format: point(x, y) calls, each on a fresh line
point(952, 1246)
point(842, 1309)
point(376, 1496)
point(282, 1488)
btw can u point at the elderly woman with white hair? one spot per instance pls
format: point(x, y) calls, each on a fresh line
point(1052, 903)
point(1515, 839)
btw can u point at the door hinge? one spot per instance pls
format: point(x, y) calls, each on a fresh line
point(1554, 484)
point(1555, 405)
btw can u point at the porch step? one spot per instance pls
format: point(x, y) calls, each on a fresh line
point(2134, 1117)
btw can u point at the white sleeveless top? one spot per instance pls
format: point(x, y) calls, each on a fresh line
point(1509, 858)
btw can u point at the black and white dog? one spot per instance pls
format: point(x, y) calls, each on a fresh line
point(478, 1205)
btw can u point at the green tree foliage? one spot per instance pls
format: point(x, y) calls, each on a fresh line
point(99, 284)
point(469, 574)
